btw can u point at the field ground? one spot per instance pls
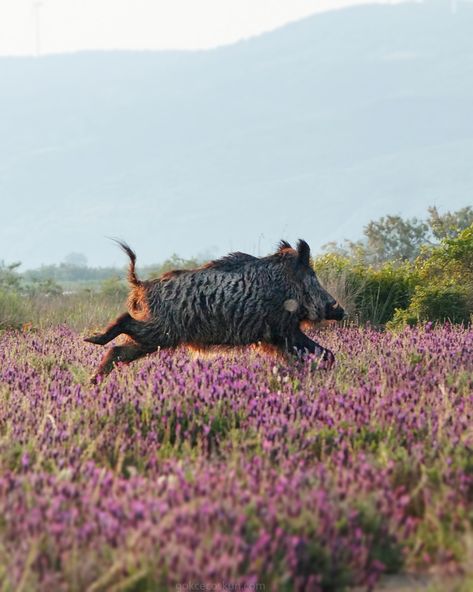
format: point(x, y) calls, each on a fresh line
point(238, 469)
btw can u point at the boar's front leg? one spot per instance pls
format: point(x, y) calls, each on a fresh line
point(303, 344)
point(299, 344)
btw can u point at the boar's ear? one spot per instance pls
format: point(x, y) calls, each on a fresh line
point(283, 245)
point(303, 253)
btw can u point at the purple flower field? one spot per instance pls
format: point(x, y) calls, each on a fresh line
point(235, 470)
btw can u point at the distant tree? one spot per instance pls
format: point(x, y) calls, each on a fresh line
point(114, 287)
point(46, 286)
point(449, 225)
point(348, 249)
point(9, 278)
point(76, 260)
point(393, 238)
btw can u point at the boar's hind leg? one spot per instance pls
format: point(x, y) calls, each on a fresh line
point(120, 353)
point(124, 324)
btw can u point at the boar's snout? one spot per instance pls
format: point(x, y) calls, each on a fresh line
point(334, 312)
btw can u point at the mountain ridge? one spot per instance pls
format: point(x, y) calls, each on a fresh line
point(310, 130)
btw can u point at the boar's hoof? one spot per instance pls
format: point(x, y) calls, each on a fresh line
point(327, 360)
point(97, 339)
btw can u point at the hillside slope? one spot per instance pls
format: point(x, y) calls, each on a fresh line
point(311, 130)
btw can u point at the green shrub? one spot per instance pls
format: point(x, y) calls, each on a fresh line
point(435, 303)
point(437, 286)
point(444, 283)
point(46, 287)
point(451, 260)
point(14, 310)
point(114, 288)
point(9, 278)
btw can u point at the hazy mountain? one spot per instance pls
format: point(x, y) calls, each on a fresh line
point(311, 131)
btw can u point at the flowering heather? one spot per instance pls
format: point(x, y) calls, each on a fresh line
point(235, 469)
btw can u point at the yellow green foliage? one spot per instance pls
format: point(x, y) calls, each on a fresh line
point(444, 288)
point(437, 286)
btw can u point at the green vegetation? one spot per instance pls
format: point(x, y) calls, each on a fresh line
point(405, 271)
point(300, 477)
point(395, 239)
point(73, 273)
point(69, 293)
point(369, 294)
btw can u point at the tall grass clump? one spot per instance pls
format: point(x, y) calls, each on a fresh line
point(80, 311)
point(44, 303)
point(14, 309)
point(368, 294)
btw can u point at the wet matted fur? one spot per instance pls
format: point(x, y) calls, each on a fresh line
point(237, 300)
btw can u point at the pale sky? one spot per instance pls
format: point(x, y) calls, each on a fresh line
point(72, 25)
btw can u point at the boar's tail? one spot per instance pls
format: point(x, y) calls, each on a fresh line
point(132, 277)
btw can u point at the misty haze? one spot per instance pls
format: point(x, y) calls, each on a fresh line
point(311, 130)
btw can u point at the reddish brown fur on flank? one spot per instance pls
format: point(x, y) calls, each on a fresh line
point(264, 348)
point(270, 350)
point(126, 351)
point(138, 304)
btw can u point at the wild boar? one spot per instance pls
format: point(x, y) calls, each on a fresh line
point(234, 301)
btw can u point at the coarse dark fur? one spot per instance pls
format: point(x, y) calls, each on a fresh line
point(234, 301)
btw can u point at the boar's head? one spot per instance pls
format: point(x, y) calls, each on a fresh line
point(317, 303)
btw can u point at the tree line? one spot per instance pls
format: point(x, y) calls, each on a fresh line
point(402, 271)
